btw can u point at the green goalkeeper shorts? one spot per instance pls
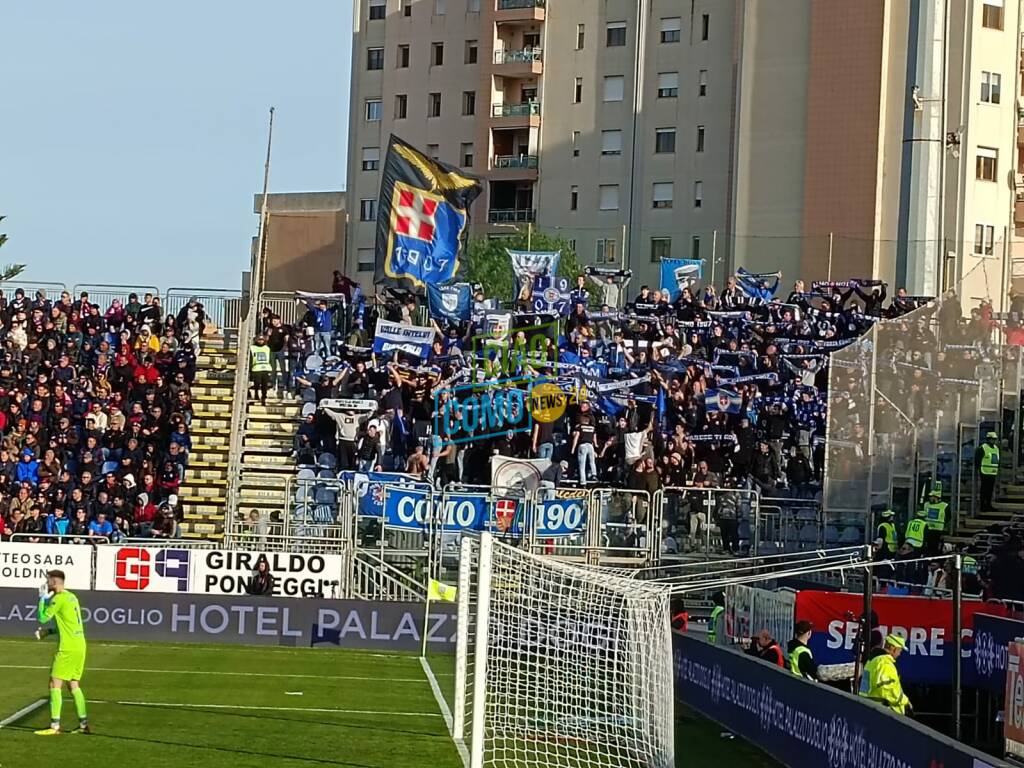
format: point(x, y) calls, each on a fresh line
point(68, 664)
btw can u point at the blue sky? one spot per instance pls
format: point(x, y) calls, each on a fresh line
point(133, 134)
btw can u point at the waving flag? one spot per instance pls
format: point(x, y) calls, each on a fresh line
point(722, 400)
point(421, 217)
point(450, 302)
point(551, 295)
point(677, 274)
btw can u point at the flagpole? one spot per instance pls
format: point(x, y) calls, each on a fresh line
point(426, 623)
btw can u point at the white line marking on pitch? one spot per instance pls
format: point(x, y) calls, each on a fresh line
point(157, 704)
point(263, 649)
point(231, 674)
point(23, 712)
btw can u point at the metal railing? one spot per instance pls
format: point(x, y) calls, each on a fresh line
point(515, 161)
point(526, 109)
point(104, 293)
point(223, 308)
point(52, 290)
point(373, 578)
point(525, 56)
point(282, 304)
point(502, 215)
point(513, 5)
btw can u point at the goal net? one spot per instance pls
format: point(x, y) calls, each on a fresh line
point(559, 664)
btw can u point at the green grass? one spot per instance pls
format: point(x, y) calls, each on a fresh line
point(162, 706)
point(191, 709)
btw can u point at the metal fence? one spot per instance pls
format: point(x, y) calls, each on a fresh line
point(906, 405)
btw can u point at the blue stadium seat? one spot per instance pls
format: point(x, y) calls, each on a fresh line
point(831, 535)
point(305, 474)
point(851, 535)
point(327, 461)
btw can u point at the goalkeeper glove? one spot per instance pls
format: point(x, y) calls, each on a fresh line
point(42, 632)
point(44, 592)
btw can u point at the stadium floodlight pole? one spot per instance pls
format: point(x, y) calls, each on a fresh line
point(957, 644)
point(260, 261)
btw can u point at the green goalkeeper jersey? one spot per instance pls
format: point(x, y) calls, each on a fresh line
point(63, 608)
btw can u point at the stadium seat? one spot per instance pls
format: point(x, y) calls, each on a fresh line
point(305, 473)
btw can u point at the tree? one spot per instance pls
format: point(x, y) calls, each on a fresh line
point(11, 271)
point(489, 265)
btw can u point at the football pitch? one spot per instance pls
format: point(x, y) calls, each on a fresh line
point(164, 706)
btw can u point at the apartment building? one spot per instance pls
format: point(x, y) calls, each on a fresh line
point(822, 137)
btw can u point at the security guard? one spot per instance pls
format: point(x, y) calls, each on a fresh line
point(935, 511)
point(884, 681)
point(801, 660)
point(986, 461)
point(916, 528)
point(260, 367)
point(716, 612)
point(886, 534)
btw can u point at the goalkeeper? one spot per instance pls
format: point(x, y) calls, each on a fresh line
point(62, 606)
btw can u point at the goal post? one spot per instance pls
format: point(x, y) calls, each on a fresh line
point(559, 664)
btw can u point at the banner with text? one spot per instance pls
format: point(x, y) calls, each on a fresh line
point(25, 564)
point(313, 623)
point(987, 666)
point(926, 623)
point(801, 723)
point(213, 571)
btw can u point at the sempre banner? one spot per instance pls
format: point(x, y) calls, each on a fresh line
point(801, 723)
point(26, 564)
point(244, 620)
point(133, 568)
point(926, 623)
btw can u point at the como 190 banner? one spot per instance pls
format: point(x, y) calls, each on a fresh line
point(243, 620)
point(132, 568)
point(926, 623)
point(801, 723)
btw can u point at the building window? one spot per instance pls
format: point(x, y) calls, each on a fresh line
point(986, 165)
point(439, 7)
point(433, 151)
point(469, 102)
point(367, 209)
point(371, 158)
point(375, 58)
point(661, 248)
point(664, 141)
point(613, 87)
point(702, 83)
point(668, 85)
point(365, 260)
point(473, 6)
point(984, 239)
point(575, 143)
point(611, 142)
point(700, 138)
point(581, 34)
point(378, 10)
point(695, 247)
point(705, 24)
point(407, 8)
point(572, 244)
point(434, 105)
point(604, 252)
point(670, 29)
point(991, 87)
point(401, 106)
point(436, 54)
point(663, 194)
point(466, 155)
point(372, 110)
point(609, 197)
point(616, 34)
point(574, 197)
point(403, 57)
point(698, 194)
point(577, 91)
point(992, 14)
point(471, 51)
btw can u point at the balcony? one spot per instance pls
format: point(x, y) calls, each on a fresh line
point(527, 109)
point(511, 215)
point(524, 63)
point(515, 161)
point(519, 10)
point(514, 168)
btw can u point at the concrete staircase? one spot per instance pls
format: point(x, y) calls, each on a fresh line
point(203, 492)
point(267, 464)
point(1008, 503)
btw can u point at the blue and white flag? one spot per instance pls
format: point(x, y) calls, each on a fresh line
point(723, 401)
point(551, 295)
point(453, 301)
point(528, 265)
point(394, 337)
point(677, 274)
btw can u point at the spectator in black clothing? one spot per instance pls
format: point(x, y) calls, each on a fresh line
point(261, 582)
point(805, 663)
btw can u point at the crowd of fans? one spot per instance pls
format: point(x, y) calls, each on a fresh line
point(703, 388)
point(95, 408)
